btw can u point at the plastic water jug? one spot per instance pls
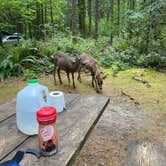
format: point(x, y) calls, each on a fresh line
point(28, 101)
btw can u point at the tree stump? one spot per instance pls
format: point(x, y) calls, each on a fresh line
point(142, 153)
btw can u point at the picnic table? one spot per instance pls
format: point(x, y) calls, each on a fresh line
point(74, 125)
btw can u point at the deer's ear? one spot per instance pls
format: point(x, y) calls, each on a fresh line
point(104, 77)
point(78, 56)
point(74, 61)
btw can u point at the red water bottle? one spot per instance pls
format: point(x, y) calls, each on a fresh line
point(47, 131)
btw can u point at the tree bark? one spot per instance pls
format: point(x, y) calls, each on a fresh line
point(51, 12)
point(96, 18)
point(82, 14)
point(84, 17)
point(132, 4)
point(118, 17)
point(45, 12)
point(37, 32)
point(112, 20)
point(74, 17)
point(90, 16)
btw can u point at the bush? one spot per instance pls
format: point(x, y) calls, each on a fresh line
point(32, 58)
point(155, 60)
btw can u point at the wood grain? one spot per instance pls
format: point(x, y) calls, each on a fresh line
point(10, 137)
point(73, 126)
point(7, 109)
point(142, 153)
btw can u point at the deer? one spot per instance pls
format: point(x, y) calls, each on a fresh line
point(62, 61)
point(91, 64)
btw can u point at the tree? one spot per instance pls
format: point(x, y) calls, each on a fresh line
point(132, 4)
point(118, 17)
point(51, 11)
point(96, 18)
point(112, 20)
point(90, 16)
point(82, 15)
point(74, 24)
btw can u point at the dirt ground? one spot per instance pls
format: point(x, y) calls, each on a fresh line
point(121, 122)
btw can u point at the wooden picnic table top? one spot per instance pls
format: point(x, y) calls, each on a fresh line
point(73, 124)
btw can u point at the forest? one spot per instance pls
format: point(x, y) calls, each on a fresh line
point(114, 113)
point(120, 34)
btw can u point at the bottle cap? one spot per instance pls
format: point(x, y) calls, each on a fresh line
point(46, 114)
point(33, 81)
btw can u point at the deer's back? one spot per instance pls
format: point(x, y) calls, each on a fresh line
point(89, 62)
point(63, 61)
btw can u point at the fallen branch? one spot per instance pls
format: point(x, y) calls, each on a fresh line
point(131, 98)
point(142, 80)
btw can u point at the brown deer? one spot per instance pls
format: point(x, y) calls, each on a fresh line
point(88, 62)
point(63, 61)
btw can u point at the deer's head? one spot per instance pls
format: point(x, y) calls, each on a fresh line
point(99, 78)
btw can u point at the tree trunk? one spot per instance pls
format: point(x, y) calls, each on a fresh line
point(82, 14)
point(79, 15)
point(42, 20)
point(51, 12)
point(112, 20)
point(84, 17)
point(37, 29)
point(96, 18)
point(118, 17)
point(131, 4)
point(42, 14)
point(90, 16)
point(123, 17)
point(30, 29)
point(45, 12)
point(68, 13)
point(143, 4)
point(74, 25)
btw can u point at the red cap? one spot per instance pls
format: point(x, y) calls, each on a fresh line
point(46, 114)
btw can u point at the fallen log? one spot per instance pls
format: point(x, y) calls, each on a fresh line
point(142, 80)
point(131, 98)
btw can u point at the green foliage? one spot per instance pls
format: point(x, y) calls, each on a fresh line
point(153, 59)
point(104, 27)
point(145, 29)
point(29, 74)
point(32, 58)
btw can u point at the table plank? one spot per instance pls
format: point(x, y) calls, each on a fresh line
point(10, 137)
point(7, 109)
point(73, 126)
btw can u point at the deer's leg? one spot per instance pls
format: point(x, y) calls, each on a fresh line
point(97, 88)
point(73, 80)
point(54, 74)
point(68, 76)
point(93, 78)
point(79, 74)
point(60, 80)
